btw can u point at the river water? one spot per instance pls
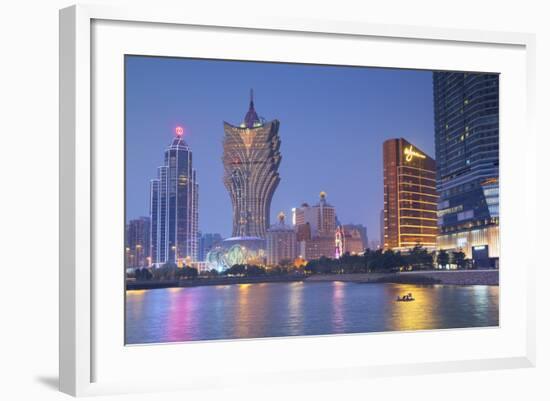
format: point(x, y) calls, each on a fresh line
point(297, 309)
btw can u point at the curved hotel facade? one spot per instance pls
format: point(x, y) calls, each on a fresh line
point(467, 151)
point(251, 160)
point(410, 197)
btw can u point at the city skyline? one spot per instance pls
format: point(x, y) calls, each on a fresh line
point(376, 104)
point(333, 146)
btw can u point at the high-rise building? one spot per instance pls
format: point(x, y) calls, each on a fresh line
point(251, 160)
point(316, 229)
point(347, 239)
point(320, 218)
point(466, 113)
point(410, 197)
point(174, 207)
point(353, 239)
point(138, 248)
point(281, 242)
point(351, 230)
point(207, 242)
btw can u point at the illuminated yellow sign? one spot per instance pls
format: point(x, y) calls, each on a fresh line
point(410, 153)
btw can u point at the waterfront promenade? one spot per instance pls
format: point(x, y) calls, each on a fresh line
point(447, 277)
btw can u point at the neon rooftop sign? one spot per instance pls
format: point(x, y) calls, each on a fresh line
point(410, 154)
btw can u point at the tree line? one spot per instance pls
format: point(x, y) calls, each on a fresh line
point(418, 258)
point(372, 261)
point(168, 271)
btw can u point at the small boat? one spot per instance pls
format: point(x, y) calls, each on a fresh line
point(405, 298)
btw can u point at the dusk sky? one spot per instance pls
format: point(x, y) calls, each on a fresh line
point(333, 123)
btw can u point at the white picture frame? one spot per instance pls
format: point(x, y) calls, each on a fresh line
point(84, 348)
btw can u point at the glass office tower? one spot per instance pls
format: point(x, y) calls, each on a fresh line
point(466, 112)
point(174, 207)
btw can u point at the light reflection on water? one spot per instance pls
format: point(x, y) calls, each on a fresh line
point(290, 309)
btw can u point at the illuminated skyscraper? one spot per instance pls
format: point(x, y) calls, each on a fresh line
point(174, 206)
point(251, 159)
point(410, 197)
point(466, 112)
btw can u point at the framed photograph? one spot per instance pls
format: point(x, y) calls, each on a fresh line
point(290, 199)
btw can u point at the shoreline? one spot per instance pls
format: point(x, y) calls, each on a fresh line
point(446, 277)
point(202, 282)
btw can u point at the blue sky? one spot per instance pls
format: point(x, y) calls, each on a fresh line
point(334, 120)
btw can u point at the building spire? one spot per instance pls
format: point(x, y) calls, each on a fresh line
point(251, 118)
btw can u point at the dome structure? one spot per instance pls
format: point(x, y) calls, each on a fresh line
point(236, 251)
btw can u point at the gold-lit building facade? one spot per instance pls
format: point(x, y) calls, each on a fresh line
point(470, 240)
point(251, 159)
point(410, 196)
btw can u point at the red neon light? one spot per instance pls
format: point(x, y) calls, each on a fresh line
point(179, 131)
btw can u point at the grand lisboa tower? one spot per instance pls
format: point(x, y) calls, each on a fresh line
point(251, 158)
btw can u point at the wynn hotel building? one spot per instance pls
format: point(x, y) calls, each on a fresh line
point(410, 197)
